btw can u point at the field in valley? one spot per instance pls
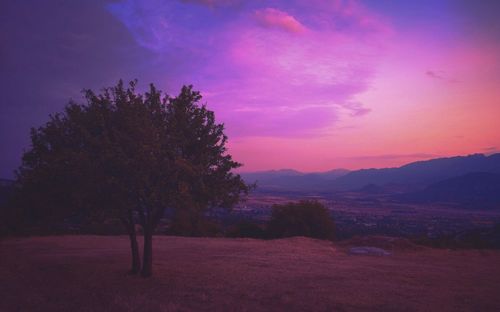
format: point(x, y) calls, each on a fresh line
point(88, 273)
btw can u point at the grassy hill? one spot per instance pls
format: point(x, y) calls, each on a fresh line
point(88, 273)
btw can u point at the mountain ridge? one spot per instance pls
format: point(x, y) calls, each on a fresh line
point(475, 189)
point(415, 175)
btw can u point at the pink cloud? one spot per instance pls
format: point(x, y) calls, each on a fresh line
point(440, 75)
point(322, 69)
point(278, 121)
point(357, 109)
point(320, 79)
point(264, 82)
point(273, 18)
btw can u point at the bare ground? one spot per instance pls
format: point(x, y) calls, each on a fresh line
point(88, 273)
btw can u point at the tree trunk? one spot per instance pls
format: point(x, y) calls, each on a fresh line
point(134, 247)
point(136, 259)
point(147, 265)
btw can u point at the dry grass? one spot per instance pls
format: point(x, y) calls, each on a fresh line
point(88, 273)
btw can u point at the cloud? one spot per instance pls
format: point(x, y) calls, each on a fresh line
point(279, 121)
point(357, 109)
point(491, 150)
point(273, 18)
point(440, 75)
point(434, 74)
point(282, 71)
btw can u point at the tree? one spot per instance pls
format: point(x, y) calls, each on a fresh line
point(108, 157)
point(304, 218)
point(204, 169)
point(129, 156)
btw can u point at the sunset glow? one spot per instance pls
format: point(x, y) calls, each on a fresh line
point(309, 85)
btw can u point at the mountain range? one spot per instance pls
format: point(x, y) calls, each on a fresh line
point(435, 179)
point(472, 189)
point(420, 174)
point(293, 180)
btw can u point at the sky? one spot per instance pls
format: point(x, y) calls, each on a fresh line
point(305, 84)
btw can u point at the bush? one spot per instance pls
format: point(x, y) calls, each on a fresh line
point(246, 228)
point(304, 218)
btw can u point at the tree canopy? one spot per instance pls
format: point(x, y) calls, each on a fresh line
point(303, 218)
point(130, 156)
point(203, 166)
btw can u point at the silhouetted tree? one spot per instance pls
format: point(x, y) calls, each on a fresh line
point(304, 218)
point(203, 168)
point(130, 156)
point(108, 157)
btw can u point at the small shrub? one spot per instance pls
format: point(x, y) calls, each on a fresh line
point(245, 228)
point(304, 218)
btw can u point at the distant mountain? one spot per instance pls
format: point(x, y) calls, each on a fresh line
point(411, 177)
point(479, 189)
point(292, 180)
point(269, 174)
point(419, 174)
point(333, 174)
point(372, 189)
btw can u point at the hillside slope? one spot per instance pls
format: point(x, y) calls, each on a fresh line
point(479, 189)
point(87, 273)
point(421, 173)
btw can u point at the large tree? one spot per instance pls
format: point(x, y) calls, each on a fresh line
point(106, 157)
point(122, 154)
point(204, 175)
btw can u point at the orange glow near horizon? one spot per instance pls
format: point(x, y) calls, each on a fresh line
point(413, 117)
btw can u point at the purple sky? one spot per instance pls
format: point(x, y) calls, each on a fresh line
point(328, 83)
